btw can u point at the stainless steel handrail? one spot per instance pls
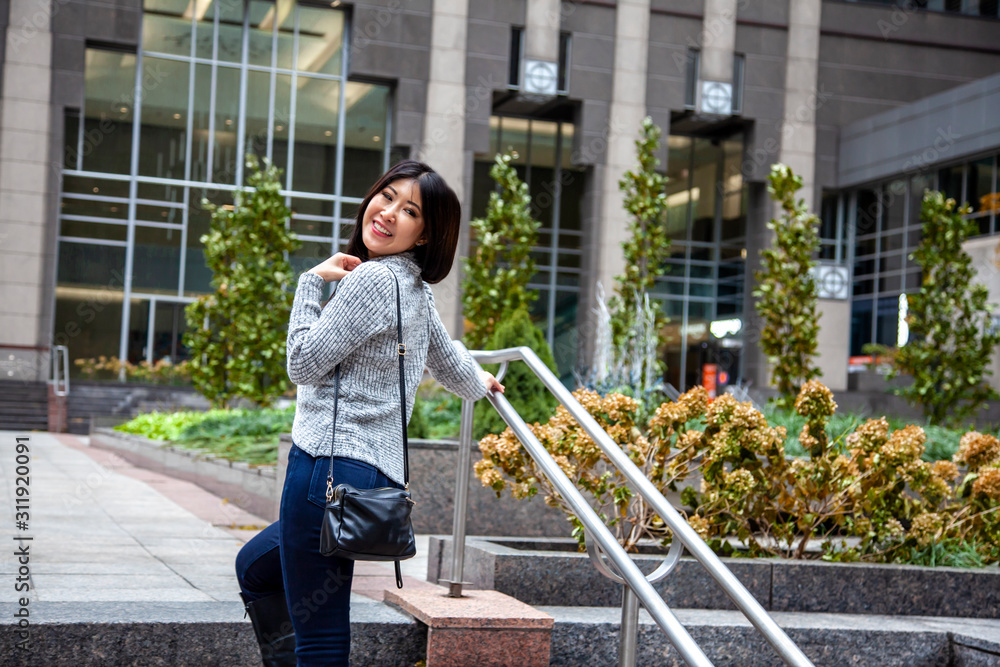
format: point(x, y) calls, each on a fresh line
point(623, 564)
point(59, 352)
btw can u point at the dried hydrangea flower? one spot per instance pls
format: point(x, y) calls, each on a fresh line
point(976, 450)
point(988, 484)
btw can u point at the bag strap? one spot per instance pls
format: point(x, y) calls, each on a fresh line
point(401, 352)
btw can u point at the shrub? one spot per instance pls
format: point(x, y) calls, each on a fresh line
point(524, 390)
point(951, 338)
point(646, 249)
point(786, 291)
point(236, 335)
point(496, 276)
point(160, 372)
point(870, 484)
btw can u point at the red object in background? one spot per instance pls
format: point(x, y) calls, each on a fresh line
point(723, 378)
point(709, 373)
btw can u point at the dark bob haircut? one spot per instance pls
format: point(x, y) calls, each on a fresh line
point(441, 213)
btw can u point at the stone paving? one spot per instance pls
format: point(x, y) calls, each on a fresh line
point(105, 530)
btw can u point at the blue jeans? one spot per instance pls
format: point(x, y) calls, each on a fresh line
point(285, 557)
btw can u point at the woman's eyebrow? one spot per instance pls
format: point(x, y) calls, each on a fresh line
point(408, 201)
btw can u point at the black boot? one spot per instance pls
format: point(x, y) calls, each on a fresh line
point(273, 627)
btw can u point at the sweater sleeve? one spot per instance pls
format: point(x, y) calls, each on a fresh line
point(319, 339)
point(451, 364)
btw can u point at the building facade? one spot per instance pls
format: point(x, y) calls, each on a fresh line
point(120, 117)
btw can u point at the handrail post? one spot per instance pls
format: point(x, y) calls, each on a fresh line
point(461, 502)
point(629, 633)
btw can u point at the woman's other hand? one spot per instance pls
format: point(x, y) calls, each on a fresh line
point(336, 267)
point(492, 384)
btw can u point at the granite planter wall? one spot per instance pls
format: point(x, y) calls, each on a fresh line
point(257, 489)
point(544, 576)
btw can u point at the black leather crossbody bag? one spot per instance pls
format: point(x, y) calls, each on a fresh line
point(371, 524)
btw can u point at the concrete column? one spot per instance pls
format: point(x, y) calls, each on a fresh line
point(831, 344)
point(25, 129)
point(718, 41)
point(798, 132)
point(628, 108)
point(541, 30)
point(443, 146)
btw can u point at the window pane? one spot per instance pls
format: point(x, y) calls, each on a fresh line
point(92, 265)
point(321, 34)
point(97, 186)
point(309, 255)
point(93, 230)
point(950, 182)
point(109, 82)
point(263, 16)
point(204, 13)
point(282, 120)
point(893, 205)
point(981, 195)
point(197, 276)
point(316, 135)
point(866, 212)
point(230, 31)
point(166, 27)
point(200, 113)
point(364, 136)
point(157, 261)
point(71, 135)
point(163, 140)
point(258, 94)
point(116, 210)
point(227, 109)
point(89, 322)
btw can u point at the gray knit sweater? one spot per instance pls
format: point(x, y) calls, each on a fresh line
point(357, 330)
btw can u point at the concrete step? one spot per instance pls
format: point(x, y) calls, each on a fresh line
point(586, 636)
point(186, 634)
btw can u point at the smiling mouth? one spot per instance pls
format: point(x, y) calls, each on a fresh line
point(380, 229)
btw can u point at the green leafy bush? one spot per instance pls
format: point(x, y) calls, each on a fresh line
point(951, 339)
point(867, 483)
point(524, 390)
point(439, 410)
point(496, 275)
point(786, 291)
point(236, 335)
point(647, 248)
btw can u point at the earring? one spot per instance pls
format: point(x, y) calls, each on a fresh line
point(421, 242)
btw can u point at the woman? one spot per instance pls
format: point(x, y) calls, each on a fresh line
point(407, 228)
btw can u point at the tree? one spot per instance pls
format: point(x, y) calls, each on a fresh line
point(237, 334)
point(647, 248)
point(951, 339)
point(526, 393)
point(786, 291)
point(497, 274)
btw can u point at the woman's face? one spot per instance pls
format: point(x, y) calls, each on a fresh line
point(393, 220)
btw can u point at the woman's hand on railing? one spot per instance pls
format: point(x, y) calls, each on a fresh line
point(492, 384)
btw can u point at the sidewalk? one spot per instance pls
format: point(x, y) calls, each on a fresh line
point(106, 531)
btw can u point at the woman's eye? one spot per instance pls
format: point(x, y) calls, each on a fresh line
point(411, 212)
point(386, 195)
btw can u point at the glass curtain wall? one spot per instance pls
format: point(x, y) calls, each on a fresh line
point(704, 277)
point(543, 161)
point(884, 227)
point(165, 128)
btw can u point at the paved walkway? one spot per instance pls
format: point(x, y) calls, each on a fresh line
point(104, 530)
